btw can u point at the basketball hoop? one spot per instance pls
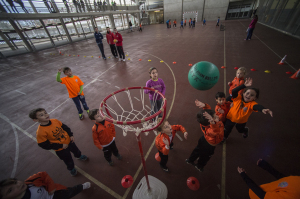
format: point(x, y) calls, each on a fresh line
point(137, 118)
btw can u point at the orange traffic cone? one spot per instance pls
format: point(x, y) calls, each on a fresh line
point(296, 75)
point(282, 61)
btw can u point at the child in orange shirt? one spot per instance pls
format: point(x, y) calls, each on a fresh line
point(104, 135)
point(74, 86)
point(140, 27)
point(213, 131)
point(170, 23)
point(283, 187)
point(53, 134)
point(243, 106)
point(222, 106)
point(174, 23)
point(39, 185)
point(185, 22)
point(238, 80)
point(164, 140)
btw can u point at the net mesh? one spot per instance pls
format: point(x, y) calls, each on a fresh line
point(133, 108)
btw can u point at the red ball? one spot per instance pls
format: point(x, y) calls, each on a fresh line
point(140, 59)
point(236, 68)
point(174, 62)
point(157, 157)
point(190, 64)
point(127, 181)
point(193, 183)
point(253, 69)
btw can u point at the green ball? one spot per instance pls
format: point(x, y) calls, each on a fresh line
point(203, 75)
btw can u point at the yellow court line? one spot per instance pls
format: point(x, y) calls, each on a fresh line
point(152, 145)
point(105, 188)
point(223, 178)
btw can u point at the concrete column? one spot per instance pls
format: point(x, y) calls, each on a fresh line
point(279, 8)
point(32, 6)
point(65, 28)
point(295, 17)
point(127, 19)
point(3, 36)
point(43, 24)
point(124, 3)
point(54, 6)
point(93, 22)
point(14, 25)
point(75, 27)
point(139, 18)
point(112, 21)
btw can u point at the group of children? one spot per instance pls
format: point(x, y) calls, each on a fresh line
point(192, 23)
point(216, 124)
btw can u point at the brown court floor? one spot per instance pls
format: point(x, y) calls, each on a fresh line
point(28, 81)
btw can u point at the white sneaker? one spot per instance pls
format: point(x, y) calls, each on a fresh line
point(120, 59)
point(116, 57)
point(124, 60)
point(86, 185)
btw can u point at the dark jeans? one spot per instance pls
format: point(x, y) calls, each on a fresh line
point(77, 100)
point(164, 159)
point(155, 107)
point(140, 29)
point(217, 24)
point(113, 50)
point(111, 149)
point(174, 25)
point(203, 151)
point(70, 192)
point(249, 34)
point(121, 52)
point(229, 126)
point(101, 49)
point(181, 26)
point(65, 155)
point(167, 25)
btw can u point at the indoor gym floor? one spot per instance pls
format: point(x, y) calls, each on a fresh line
point(28, 82)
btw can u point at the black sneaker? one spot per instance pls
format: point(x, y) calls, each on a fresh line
point(245, 135)
point(166, 169)
point(199, 168)
point(111, 163)
point(73, 172)
point(83, 158)
point(189, 162)
point(119, 157)
point(81, 116)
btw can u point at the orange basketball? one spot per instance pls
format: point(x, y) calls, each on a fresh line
point(115, 40)
point(157, 157)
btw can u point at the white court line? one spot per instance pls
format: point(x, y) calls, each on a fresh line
point(83, 88)
point(108, 83)
point(105, 188)
point(179, 137)
point(117, 87)
point(20, 92)
point(137, 99)
point(13, 173)
point(271, 49)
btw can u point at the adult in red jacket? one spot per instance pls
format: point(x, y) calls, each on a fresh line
point(110, 40)
point(39, 185)
point(251, 27)
point(118, 38)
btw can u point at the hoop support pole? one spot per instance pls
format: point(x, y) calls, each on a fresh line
point(138, 138)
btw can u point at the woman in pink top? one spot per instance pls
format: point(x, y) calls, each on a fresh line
point(251, 27)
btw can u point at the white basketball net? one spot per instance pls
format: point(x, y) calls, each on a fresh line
point(129, 113)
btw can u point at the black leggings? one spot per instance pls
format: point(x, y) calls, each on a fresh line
point(70, 192)
point(121, 52)
point(229, 126)
point(164, 159)
point(110, 149)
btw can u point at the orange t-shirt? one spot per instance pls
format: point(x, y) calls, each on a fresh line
point(235, 83)
point(284, 188)
point(225, 107)
point(140, 25)
point(184, 21)
point(239, 113)
point(104, 134)
point(190, 21)
point(54, 133)
point(73, 85)
point(174, 22)
point(169, 22)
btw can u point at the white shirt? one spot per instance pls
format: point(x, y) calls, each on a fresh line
point(39, 193)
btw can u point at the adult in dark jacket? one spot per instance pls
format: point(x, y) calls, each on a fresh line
point(110, 40)
point(251, 27)
point(99, 38)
